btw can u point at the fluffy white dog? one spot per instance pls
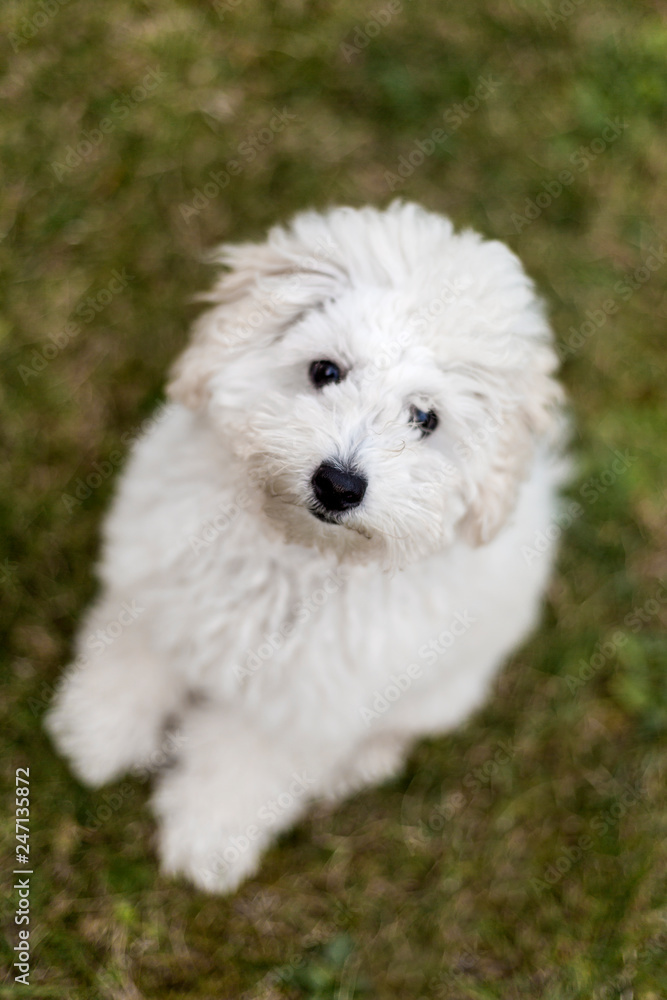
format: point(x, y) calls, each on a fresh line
point(325, 545)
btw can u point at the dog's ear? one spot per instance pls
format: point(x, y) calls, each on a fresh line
point(532, 413)
point(264, 289)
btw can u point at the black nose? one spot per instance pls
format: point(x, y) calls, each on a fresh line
point(338, 489)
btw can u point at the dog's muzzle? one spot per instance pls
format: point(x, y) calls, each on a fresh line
point(336, 490)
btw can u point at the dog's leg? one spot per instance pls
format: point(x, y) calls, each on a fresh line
point(112, 702)
point(231, 792)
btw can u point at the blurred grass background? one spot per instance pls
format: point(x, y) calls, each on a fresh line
point(466, 878)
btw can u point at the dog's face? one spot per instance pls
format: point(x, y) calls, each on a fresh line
point(381, 379)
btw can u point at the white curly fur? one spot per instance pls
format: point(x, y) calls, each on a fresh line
point(299, 659)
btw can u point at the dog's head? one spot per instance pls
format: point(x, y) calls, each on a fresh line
point(382, 379)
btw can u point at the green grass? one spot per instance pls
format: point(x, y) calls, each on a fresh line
point(446, 883)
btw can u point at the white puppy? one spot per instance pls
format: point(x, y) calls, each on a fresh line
point(326, 544)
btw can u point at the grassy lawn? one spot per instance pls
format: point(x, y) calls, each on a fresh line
point(524, 856)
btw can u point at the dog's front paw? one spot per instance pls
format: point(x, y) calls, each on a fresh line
point(229, 795)
point(97, 751)
point(111, 704)
point(201, 839)
point(214, 860)
point(204, 833)
point(99, 726)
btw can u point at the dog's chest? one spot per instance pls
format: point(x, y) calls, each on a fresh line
point(267, 619)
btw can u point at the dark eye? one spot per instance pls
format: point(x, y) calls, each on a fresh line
point(426, 422)
point(323, 372)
